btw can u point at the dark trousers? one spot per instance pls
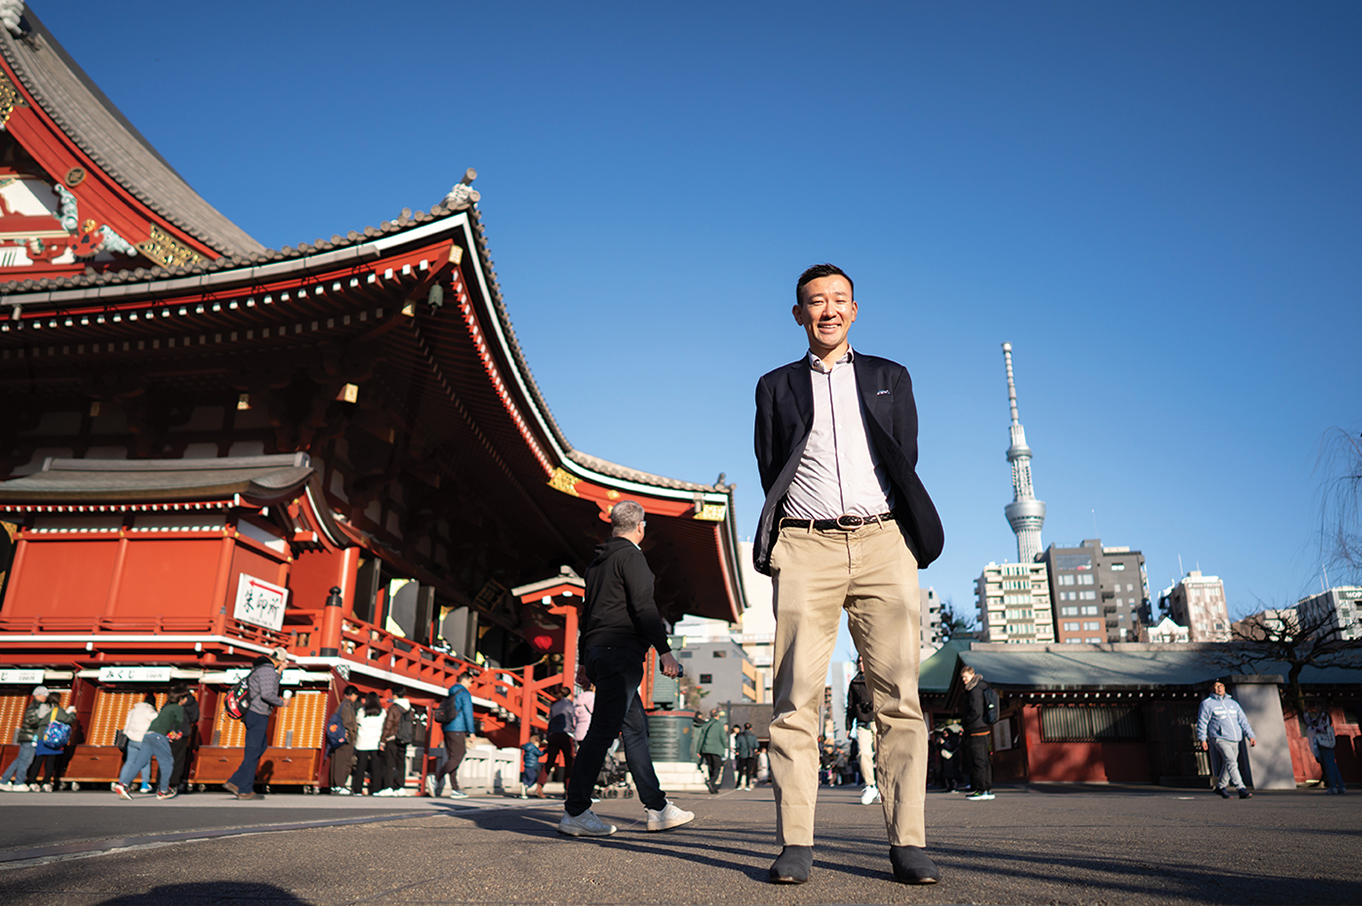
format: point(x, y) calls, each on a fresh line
point(560, 743)
point(747, 770)
point(980, 766)
point(616, 672)
point(43, 763)
point(179, 748)
point(395, 763)
point(369, 761)
point(257, 740)
point(715, 764)
point(456, 746)
point(342, 763)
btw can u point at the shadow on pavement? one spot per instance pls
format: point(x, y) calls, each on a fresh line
point(209, 892)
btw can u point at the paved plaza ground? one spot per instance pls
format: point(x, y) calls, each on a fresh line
point(1032, 845)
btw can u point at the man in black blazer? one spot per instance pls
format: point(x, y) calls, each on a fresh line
point(846, 525)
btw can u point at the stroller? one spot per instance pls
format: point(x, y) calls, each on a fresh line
point(613, 782)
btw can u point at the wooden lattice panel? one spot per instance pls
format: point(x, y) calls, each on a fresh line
point(301, 723)
point(111, 714)
point(11, 715)
point(227, 731)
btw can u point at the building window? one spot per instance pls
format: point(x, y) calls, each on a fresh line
point(706, 678)
point(1087, 596)
point(1071, 627)
point(1068, 611)
point(1094, 641)
point(1073, 641)
point(1090, 723)
point(1117, 567)
point(1087, 579)
point(721, 654)
point(1066, 580)
point(1091, 625)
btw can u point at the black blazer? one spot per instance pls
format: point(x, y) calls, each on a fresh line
point(785, 417)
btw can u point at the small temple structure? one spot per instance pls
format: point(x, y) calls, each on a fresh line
point(211, 448)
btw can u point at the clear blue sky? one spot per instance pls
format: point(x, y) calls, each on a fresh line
point(1158, 204)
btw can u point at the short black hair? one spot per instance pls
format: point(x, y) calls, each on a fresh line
point(350, 690)
point(823, 270)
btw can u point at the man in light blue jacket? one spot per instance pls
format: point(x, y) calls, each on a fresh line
point(1222, 722)
point(456, 716)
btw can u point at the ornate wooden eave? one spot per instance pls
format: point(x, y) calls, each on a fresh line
point(410, 311)
point(118, 202)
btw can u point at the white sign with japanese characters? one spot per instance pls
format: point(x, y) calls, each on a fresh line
point(134, 674)
point(260, 602)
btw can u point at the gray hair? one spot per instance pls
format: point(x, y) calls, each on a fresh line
point(625, 516)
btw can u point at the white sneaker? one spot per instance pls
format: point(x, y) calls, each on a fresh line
point(585, 825)
point(341, 791)
point(383, 792)
point(457, 794)
point(668, 817)
point(869, 795)
point(430, 785)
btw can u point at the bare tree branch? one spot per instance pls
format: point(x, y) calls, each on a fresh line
point(1340, 534)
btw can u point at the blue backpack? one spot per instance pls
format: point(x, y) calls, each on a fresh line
point(57, 734)
point(335, 732)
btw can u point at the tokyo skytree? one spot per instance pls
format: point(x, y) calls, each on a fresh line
point(1025, 513)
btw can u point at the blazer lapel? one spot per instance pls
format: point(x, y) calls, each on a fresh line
point(801, 387)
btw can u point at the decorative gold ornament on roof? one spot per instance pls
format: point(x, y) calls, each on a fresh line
point(9, 98)
point(167, 251)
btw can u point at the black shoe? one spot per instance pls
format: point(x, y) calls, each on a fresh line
point(912, 865)
point(1224, 793)
point(1243, 794)
point(792, 865)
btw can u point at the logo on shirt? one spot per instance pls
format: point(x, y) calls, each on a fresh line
point(881, 392)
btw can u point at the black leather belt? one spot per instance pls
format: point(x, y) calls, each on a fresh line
point(846, 523)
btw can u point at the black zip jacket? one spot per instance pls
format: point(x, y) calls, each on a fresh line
point(972, 715)
point(619, 610)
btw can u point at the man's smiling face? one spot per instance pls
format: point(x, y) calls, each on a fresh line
point(826, 311)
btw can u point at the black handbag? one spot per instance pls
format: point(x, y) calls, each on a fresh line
point(121, 740)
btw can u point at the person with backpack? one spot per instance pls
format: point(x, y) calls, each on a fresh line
point(50, 740)
point(31, 726)
point(455, 715)
point(262, 694)
point(346, 723)
point(976, 721)
point(399, 729)
point(168, 725)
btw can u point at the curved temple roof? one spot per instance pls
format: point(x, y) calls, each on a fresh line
point(106, 136)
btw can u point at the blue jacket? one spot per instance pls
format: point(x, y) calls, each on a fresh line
point(462, 721)
point(1221, 717)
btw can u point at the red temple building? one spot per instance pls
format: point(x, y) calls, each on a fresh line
point(211, 448)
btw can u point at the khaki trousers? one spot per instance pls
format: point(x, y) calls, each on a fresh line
point(872, 574)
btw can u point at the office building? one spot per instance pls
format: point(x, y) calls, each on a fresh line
point(1198, 602)
point(1100, 594)
point(1338, 609)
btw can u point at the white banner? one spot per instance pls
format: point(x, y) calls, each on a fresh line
point(24, 677)
point(260, 602)
point(134, 674)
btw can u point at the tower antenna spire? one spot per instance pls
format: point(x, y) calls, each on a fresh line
point(1025, 513)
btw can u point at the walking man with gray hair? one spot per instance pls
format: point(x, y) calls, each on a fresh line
point(620, 621)
point(845, 526)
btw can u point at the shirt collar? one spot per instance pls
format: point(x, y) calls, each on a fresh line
point(817, 364)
